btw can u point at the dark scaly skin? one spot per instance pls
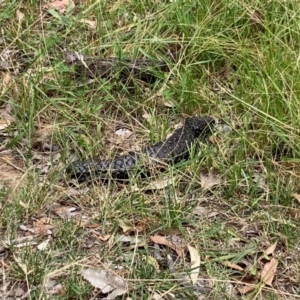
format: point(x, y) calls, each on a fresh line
point(141, 69)
point(172, 150)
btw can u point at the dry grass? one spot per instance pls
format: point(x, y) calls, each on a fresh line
point(234, 204)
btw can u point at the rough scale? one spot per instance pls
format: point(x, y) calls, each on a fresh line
point(172, 150)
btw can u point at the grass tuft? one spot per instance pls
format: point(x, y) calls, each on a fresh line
point(237, 61)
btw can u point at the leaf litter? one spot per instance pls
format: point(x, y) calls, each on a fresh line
point(10, 291)
point(66, 212)
point(269, 271)
point(209, 180)
point(53, 287)
point(195, 264)
point(159, 184)
point(266, 275)
point(171, 243)
point(206, 185)
point(191, 279)
point(10, 171)
point(92, 24)
point(59, 5)
point(106, 281)
point(9, 63)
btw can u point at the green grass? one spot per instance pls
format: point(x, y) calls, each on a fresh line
point(239, 62)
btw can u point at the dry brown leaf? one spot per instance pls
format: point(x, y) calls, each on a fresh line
point(195, 263)
point(46, 130)
point(43, 226)
point(200, 211)
point(6, 78)
point(246, 289)
point(268, 272)
point(25, 228)
point(21, 242)
point(170, 231)
point(66, 212)
point(132, 240)
point(213, 214)
point(72, 57)
point(92, 24)
point(53, 287)
point(126, 226)
point(223, 128)
point(163, 241)
point(9, 61)
point(147, 117)
point(124, 133)
point(213, 140)
point(103, 238)
point(260, 181)
point(87, 224)
point(296, 196)
point(169, 104)
point(233, 266)
point(60, 5)
point(4, 124)
point(151, 261)
point(246, 284)
point(271, 249)
point(159, 184)
point(76, 192)
point(106, 281)
point(9, 172)
point(43, 245)
point(209, 180)
point(6, 113)
point(137, 243)
point(20, 15)
point(9, 291)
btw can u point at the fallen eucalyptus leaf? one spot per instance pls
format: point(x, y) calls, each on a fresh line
point(106, 281)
